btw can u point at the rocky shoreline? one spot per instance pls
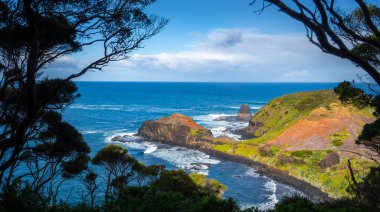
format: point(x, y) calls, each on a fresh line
point(181, 130)
point(312, 192)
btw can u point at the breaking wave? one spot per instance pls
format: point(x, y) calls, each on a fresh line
point(271, 187)
point(187, 159)
point(220, 127)
point(91, 132)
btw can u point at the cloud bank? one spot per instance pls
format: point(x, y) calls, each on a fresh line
point(242, 55)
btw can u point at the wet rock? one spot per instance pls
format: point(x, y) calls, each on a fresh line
point(330, 160)
point(249, 131)
point(117, 138)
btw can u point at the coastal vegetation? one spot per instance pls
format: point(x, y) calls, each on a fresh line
point(277, 143)
point(128, 186)
point(39, 150)
point(312, 136)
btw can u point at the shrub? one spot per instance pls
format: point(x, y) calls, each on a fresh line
point(302, 153)
point(351, 95)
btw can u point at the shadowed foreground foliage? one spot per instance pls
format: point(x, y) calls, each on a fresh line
point(128, 186)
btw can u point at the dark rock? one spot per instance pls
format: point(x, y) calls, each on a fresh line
point(249, 131)
point(244, 113)
point(330, 160)
point(117, 138)
point(226, 118)
point(176, 128)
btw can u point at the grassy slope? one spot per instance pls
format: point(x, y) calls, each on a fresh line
point(277, 116)
point(282, 112)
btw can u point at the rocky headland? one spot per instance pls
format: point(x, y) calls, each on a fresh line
point(302, 139)
point(175, 129)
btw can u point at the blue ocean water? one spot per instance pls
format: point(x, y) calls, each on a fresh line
point(107, 109)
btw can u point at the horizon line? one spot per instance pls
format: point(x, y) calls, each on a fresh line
point(206, 82)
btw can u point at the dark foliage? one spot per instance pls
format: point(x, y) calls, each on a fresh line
point(352, 35)
point(173, 191)
point(301, 204)
point(18, 197)
point(349, 94)
point(34, 34)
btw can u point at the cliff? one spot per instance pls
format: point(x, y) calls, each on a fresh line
point(308, 120)
point(309, 135)
point(306, 135)
point(176, 129)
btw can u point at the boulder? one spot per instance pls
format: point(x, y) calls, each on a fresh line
point(176, 128)
point(244, 113)
point(330, 160)
point(250, 131)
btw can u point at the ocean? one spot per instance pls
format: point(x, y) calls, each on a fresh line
point(107, 109)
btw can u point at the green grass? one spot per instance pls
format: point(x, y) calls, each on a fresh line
point(227, 148)
point(196, 132)
point(338, 138)
point(274, 149)
point(302, 153)
point(282, 112)
point(211, 184)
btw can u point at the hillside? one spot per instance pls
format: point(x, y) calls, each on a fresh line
point(307, 135)
point(310, 135)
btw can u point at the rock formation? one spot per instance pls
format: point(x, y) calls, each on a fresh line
point(244, 113)
point(330, 160)
point(177, 128)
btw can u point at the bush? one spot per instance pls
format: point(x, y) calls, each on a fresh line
point(301, 204)
point(302, 153)
point(349, 94)
point(20, 197)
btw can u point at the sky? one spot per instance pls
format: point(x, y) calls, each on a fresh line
point(220, 41)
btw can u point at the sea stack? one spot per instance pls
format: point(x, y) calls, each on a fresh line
point(177, 128)
point(244, 113)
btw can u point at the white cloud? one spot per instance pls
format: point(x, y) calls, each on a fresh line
point(243, 55)
point(233, 55)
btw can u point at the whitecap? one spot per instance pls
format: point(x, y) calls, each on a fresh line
point(91, 132)
point(151, 148)
point(270, 186)
point(256, 107)
point(220, 127)
point(251, 172)
point(97, 107)
point(187, 159)
point(131, 141)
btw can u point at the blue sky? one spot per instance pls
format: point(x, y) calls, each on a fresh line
point(221, 41)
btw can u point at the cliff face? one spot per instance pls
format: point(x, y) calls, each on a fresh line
point(176, 128)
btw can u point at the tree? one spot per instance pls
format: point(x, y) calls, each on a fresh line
point(34, 34)
point(354, 35)
point(91, 186)
point(349, 94)
point(119, 167)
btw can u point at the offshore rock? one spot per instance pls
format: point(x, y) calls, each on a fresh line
point(177, 128)
point(244, 113)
